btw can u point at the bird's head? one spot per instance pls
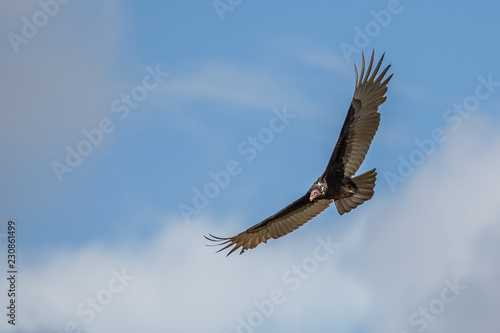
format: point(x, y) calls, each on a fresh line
point(317, 190)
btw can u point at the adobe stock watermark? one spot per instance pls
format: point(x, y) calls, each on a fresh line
point(371, 30)
point(223, 6)
point(421, 318)
point(291, 279)
point(89, 309)
point(121, 107)
point(452, 117)
point(248, 149)
point(31, 26)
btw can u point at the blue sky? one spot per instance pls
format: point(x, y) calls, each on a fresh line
point(172, 92)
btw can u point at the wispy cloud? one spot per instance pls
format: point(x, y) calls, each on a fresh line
point(236, 84)
point(326, 60)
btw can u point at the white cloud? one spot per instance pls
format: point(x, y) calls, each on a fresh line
point(395, 258)
point(428, 234)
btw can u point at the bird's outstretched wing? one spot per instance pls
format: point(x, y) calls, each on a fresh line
point(285, 221)
point(361, 122)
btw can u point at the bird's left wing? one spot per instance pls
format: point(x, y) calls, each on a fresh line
point(285, 221)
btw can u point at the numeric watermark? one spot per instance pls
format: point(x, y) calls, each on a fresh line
point(11, 273)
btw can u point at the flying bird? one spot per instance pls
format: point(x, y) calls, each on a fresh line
point(337, 183)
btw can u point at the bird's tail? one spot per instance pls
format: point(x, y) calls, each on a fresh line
point(365, 184)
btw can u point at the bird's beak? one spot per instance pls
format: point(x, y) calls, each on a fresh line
point(314, 194)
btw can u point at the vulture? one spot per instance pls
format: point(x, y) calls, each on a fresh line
point(337, 183)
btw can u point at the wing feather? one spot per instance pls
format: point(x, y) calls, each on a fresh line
point(285, 221)
point(362, 119)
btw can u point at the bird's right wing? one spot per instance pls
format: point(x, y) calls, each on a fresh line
point(362, 120)
point(285, 221)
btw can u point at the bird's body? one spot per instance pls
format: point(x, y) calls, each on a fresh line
point(337, 183)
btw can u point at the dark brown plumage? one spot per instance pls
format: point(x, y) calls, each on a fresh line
point(337, 183)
